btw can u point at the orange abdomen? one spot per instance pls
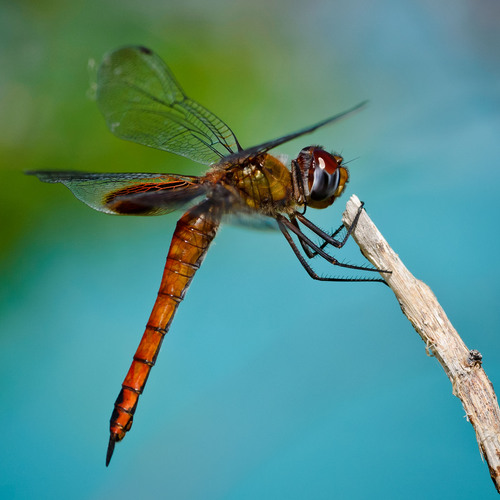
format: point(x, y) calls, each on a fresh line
point(192, 237)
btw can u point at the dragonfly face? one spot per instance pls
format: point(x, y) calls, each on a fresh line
point(142, 102)
point(320, 176)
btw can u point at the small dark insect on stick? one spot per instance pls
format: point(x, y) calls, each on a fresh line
point(420, 306)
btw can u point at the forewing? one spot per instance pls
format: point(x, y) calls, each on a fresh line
point(266, 146)
point(142, 102)
point(128, 194)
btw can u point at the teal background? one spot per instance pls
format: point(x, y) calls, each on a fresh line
point(269, 385)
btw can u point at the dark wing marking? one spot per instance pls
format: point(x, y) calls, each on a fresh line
point(142, 102)
point(128, 194)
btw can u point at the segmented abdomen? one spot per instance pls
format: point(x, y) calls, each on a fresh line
point(192, 237)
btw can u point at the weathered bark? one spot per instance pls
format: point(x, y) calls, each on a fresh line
point(461, 365)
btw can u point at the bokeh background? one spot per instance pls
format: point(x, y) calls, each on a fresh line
point(269, 385)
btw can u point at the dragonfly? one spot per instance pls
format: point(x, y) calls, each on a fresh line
point(141, 101)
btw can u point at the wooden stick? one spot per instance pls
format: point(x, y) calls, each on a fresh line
point(418, 303)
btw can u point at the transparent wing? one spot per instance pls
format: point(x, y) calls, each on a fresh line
point(266, 146)
point(128, 194)
point(250, 220)
point(142, 102)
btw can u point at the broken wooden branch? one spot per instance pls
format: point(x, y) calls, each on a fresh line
point(418, 303)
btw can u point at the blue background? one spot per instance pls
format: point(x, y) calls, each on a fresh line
point(269, 385)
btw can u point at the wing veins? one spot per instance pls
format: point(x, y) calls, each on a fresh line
point(131, 80)
point(183, 118)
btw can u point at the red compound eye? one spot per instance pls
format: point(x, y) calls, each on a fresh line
point(326, 174)
point(327, 162)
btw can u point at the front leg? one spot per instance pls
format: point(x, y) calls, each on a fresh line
point(328, 239)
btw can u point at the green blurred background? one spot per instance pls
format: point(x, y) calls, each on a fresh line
point(270, 385)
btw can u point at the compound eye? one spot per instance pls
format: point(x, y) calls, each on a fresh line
point(326, 175)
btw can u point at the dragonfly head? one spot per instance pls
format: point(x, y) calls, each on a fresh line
point(319, 176)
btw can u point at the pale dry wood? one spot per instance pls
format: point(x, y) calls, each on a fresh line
point(419, 304)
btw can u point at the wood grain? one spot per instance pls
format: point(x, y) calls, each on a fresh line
point(462, 366)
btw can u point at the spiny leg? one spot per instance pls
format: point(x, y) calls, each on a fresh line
point(328, 239)
point(309, 253)
point(309, 269)
point(332, 260)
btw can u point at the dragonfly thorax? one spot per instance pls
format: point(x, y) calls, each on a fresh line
point(319, 177)
point(261, 184)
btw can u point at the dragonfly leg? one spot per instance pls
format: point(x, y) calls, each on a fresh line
point(310, 253)
point(328, 239)
point(284, 224)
